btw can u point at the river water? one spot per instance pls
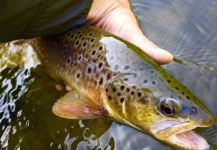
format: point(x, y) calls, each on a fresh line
point(186, 28)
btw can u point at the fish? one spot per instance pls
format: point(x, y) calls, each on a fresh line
point(114, 78)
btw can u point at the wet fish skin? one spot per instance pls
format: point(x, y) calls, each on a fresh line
point(112, 77)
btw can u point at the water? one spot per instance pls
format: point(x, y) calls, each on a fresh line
point(185, 28)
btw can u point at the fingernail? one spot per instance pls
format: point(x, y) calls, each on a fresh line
point(162, 56)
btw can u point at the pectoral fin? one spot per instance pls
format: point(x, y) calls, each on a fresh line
point(75, 106)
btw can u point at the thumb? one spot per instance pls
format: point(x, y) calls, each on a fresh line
point(134, 35)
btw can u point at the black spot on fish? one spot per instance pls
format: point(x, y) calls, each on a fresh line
point(100, 48)
point(83, 38)
point(84, 44)
point(68, 34)
point(153, 82)
point(152, 71)
point(109, 76)
point(122, 87)
point(101, 81)
point(126, 67)
point(69, 60)
point(72, 36)
point(121, 99)
point(100, 65)
point(132, 93)
point(176, 88)
point(139, 94)
point(92, 40)
point(89, 70)
point(127, 89)
point(114, 89)
point(188, 97)
point(78, 75)
point(106, 90)
point(118, 94)
point(79, 58)
point(109, 97)
point(183, 93)
point(168, 81)
point(77, 42)
point(91, 34)
point(94, 60)
point(80, 36)
point(94, 52)
point(143, 100)
point(145, 81)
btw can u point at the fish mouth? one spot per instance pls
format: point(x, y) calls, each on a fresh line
point(180, 135)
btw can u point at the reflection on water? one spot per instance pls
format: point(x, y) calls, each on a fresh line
point(186, 28)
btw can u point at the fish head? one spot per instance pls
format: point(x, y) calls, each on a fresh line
point(168, 118)
point(148, 98)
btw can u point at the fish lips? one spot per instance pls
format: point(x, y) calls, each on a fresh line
point(180, 135)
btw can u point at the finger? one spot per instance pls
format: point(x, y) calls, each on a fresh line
point(160, 55)
point(134, 35)
point(59, 86)
point(68, 88)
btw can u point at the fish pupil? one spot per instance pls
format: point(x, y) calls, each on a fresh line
point(167, 110)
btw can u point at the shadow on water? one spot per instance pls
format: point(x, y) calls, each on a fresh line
point(185, 28)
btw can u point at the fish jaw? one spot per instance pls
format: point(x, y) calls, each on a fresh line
point(183, 135)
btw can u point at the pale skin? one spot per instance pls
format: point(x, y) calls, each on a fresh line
point(116, 17)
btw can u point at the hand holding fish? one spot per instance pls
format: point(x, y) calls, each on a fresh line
point(116, 17)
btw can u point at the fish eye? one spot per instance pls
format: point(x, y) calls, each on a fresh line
point(167, 110)
point(169, 106)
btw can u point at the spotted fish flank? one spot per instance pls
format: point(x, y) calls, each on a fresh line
point(112, 77)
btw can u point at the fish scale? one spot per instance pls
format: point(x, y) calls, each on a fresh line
point(113, 77)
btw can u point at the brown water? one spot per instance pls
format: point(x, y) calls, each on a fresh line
point(186, 28)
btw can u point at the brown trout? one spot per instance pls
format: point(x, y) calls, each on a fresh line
point(112, 77)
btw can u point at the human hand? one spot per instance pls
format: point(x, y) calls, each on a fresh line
point(116, 17)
